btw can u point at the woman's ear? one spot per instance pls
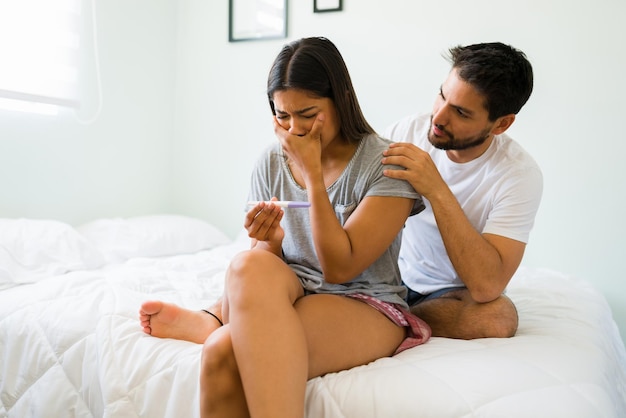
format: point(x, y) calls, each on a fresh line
point(503, 123)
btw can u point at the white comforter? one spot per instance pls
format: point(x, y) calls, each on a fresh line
point(71, 346)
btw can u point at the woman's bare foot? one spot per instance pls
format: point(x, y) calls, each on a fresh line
point(166, 320)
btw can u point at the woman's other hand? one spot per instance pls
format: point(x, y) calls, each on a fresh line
point(262, 222)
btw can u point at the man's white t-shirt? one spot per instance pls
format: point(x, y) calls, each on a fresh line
point(499, 192)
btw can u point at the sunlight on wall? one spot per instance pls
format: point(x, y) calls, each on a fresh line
point(39, 45)
point(28, 107)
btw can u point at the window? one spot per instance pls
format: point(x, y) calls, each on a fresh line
point(39, 50)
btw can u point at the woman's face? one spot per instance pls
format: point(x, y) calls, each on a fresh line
point(297, 109)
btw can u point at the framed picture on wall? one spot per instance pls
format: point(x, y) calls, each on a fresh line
point(251, 20)
point(320, 6)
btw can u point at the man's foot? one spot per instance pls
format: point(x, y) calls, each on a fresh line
point(166, 320)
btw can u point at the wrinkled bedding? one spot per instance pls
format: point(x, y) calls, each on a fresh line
point(71, 346)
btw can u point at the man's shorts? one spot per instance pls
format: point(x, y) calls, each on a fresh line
point(413, 298)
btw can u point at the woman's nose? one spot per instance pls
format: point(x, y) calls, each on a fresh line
point(296, 128)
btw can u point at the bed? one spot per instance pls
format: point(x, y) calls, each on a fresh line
point(71, 345)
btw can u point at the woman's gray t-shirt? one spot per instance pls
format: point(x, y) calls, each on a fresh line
point(362, 177)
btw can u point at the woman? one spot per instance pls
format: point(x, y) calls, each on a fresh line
point(319, 282)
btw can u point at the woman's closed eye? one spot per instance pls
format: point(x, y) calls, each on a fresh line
point(284, 116)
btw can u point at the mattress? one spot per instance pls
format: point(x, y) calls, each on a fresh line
point(71, 344)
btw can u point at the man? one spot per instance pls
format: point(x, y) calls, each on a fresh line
point(482, 192)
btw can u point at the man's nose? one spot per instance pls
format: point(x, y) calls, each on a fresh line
point(440, 115)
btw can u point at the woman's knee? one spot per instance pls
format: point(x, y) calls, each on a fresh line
point(255, 275)
point(246, 268)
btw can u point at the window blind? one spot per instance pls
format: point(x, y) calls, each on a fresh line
point(39, 51)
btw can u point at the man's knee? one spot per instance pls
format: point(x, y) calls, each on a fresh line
point(505, 319)
point(456, 315)
point(498, 318)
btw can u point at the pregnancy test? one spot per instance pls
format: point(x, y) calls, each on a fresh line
point(283, 203)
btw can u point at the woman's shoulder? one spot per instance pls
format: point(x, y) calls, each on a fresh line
point(271, 153)
point(374, 143)
point(369, 153)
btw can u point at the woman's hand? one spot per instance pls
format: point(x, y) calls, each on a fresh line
point(303, 150)
point(263, 225)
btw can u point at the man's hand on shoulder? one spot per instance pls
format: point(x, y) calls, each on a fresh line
point(419, 169)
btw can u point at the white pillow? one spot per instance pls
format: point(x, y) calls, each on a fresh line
point(120, 239)
point(33, 249)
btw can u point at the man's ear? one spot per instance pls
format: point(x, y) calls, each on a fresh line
point(503, 123)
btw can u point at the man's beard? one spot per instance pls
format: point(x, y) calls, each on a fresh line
point(450, 143)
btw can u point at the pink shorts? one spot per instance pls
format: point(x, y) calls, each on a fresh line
point(417, 331)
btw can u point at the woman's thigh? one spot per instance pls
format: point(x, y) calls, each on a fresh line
point(343, 333)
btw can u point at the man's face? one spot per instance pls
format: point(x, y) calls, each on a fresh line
point(459, 120)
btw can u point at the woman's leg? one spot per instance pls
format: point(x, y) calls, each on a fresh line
point(343, 333)
point(267, 336)
point(221, 392)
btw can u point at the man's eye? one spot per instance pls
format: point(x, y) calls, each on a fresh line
point(461, 113)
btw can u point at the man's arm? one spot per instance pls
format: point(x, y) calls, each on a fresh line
point(485, 262)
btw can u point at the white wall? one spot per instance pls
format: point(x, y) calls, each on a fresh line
point(120, 165)
point(185, 114)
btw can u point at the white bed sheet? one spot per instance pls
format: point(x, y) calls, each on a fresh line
point(71, 346)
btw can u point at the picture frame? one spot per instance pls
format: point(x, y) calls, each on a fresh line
point(323, 6)
point(253, 20)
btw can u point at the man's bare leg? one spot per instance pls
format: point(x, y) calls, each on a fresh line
point(457, 315)
point(166, 320)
